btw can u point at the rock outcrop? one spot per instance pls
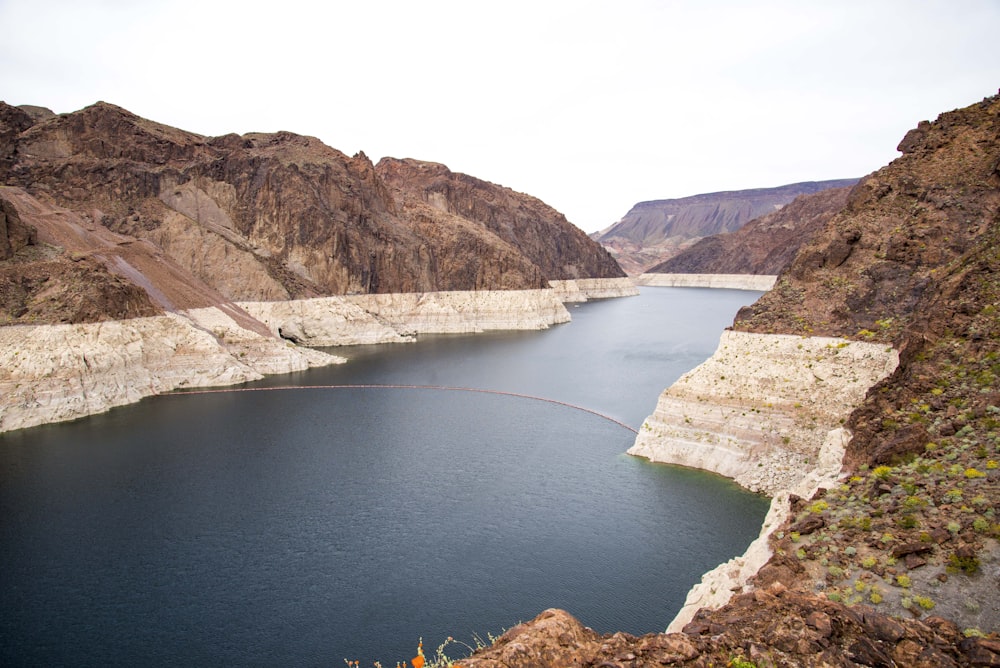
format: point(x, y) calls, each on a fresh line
point(772, 626)
point(393, 318)
point(762, 246)
point(50, 373)
point(265, 217)
point(762, 408)
point(654, 231)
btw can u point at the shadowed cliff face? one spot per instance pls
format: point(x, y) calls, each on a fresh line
point(541, 234)
point(279, 216)
point(762, 246)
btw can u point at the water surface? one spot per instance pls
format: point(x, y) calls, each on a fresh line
point(303, 527)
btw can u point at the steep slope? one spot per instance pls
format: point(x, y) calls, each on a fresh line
point(762, 246)
point(560, 250)
point(896, 562)
point(279, 216)
point(654, 231)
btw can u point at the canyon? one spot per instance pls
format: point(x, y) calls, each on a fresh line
point(860, 390)
point(136, 258)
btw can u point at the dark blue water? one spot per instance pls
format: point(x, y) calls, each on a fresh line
point(303, 527)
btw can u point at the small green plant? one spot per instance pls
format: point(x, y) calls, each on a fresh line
point(974, 473)
point(740, 662)
point(980, 525)
point(904, 581)
point(924, 602)
point(869, 562)
point(882, 472)
point(819, 507)
point(967, 565)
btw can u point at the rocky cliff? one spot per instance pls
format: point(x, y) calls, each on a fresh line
point(136, 258)
point(893, 558)
point(762, 246)
point(654, 231)
point(279, 216)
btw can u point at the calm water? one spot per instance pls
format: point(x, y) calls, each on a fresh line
point(303, 527)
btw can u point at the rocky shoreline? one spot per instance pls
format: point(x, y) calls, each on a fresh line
point(52, 373)
point(729, 281)
point(767, 411)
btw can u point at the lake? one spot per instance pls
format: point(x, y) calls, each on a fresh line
point(303, 527)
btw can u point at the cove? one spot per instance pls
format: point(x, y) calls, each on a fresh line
point(308, 526)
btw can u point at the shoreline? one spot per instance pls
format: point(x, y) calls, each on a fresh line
point(766, 411)
point(755, 282)
point(62, 372)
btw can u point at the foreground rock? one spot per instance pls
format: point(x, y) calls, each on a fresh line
point(769, 627)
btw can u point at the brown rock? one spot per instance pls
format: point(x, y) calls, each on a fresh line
point(808, 525)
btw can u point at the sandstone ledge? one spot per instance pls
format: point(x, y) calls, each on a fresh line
point(394, 318)
point(731, 281)
point(584, 289)
point(765, 410)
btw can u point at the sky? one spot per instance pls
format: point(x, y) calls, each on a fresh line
point(589, 106)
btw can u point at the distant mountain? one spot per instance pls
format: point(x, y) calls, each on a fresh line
point(654, 231)
point(762, 246)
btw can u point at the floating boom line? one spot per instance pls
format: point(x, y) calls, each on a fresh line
point(446, 388)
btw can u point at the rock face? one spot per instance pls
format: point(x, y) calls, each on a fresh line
point(772, 626)
point(726, 281)
point(430, 193)
point(364, 319)
point(761, 409)
point(62, 372)
point(652, 232)
point(762, 246)
point(276, 216)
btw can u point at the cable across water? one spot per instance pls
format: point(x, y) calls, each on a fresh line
point(446, 388)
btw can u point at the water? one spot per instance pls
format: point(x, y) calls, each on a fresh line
point(303, 527)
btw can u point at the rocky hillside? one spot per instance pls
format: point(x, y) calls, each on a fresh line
point(274, 216)
point(898, 564)
point(762, 246)
point(652, 232)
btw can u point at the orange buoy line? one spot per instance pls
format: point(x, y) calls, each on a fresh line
point(406, 387)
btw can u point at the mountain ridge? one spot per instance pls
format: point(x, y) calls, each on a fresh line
point(655, 230)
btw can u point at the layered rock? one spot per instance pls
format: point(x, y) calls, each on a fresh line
point(760, 409)
point(277, 216)
point(761, 283)
point(762, 246)
point(585, 289)
point(654, 231)
point(394, 318)
point(50, 373)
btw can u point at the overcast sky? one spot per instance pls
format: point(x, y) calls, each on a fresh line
point(590, 106)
